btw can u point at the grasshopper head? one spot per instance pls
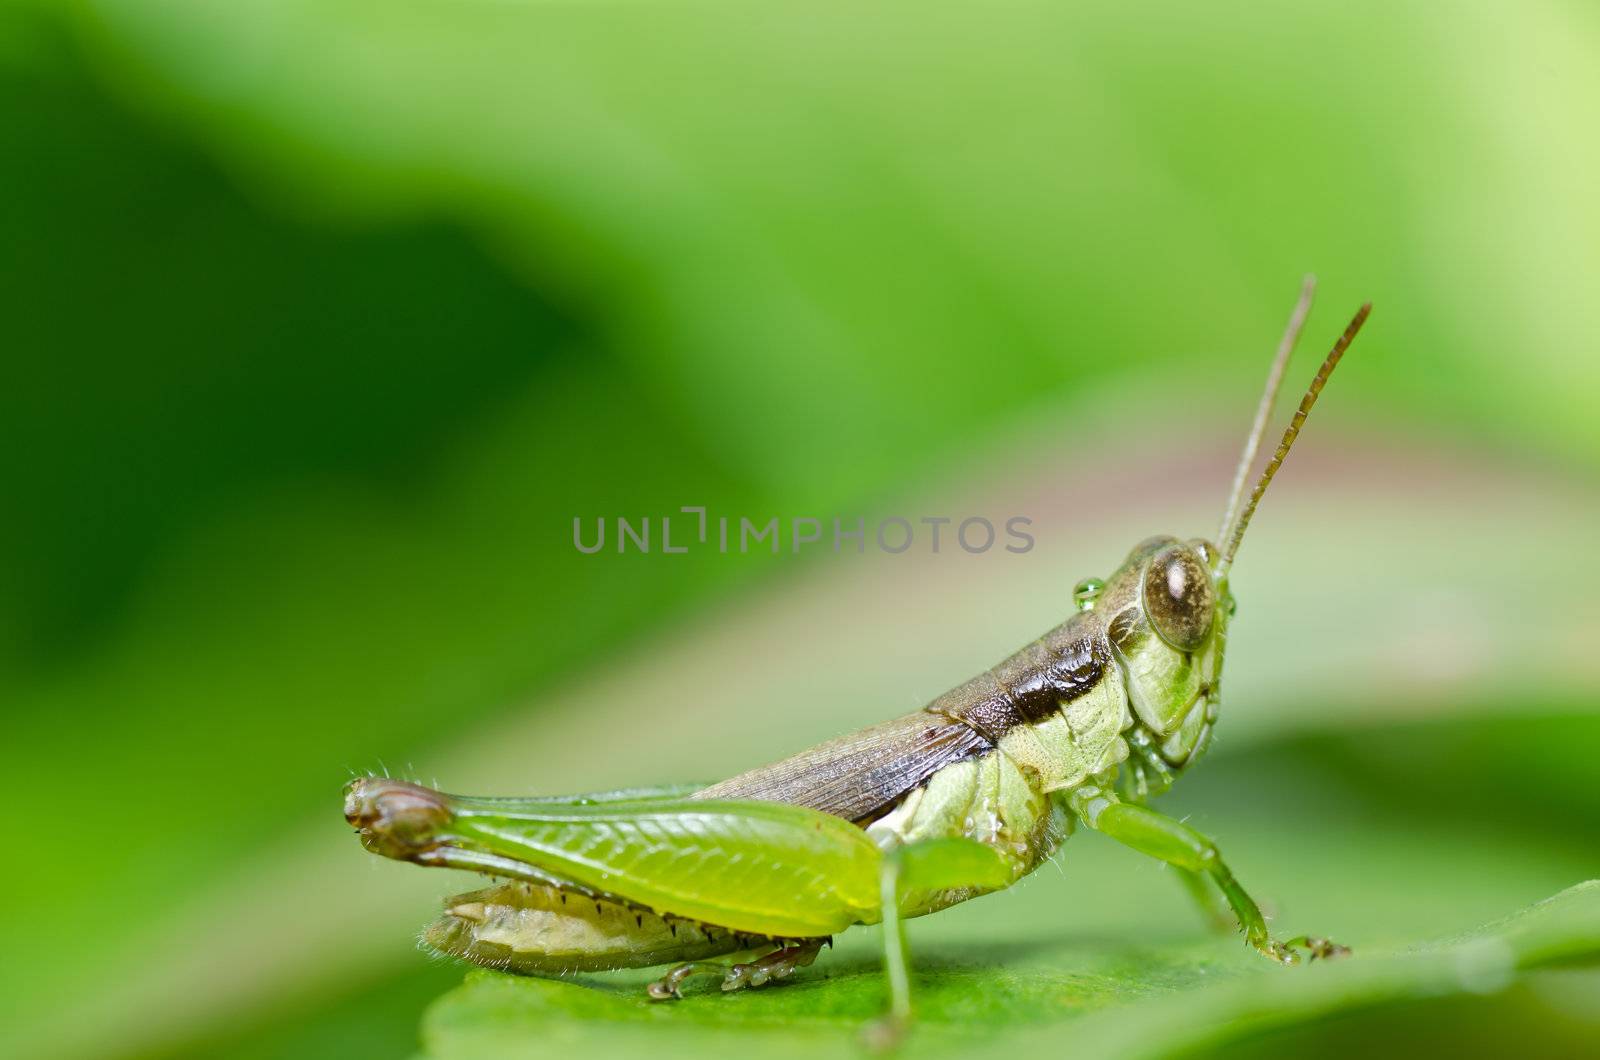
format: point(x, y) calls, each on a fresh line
point(1167, 607)
point(1167, 613)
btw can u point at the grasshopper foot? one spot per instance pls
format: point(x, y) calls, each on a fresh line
point(1273, 950)
point(1289, 952)
point(671, 985)
point(1318, 947)
point(779, 964)
point(884, 1034)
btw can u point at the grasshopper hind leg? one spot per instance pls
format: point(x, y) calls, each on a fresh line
point(777, 964)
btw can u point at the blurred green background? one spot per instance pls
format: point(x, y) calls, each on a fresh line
point(322, 320)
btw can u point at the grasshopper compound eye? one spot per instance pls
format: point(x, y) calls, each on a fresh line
point(1179, 597)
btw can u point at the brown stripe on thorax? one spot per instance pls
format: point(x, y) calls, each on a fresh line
point(1031, 685)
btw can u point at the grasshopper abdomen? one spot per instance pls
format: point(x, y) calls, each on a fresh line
point(542, 929)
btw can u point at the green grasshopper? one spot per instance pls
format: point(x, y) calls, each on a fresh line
point(904, 818)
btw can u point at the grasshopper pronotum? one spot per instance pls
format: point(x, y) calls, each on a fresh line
point(900, 819)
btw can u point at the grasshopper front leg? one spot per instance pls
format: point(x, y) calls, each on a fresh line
point(1174, 842)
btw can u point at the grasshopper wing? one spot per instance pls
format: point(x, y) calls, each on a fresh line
point(858, 776)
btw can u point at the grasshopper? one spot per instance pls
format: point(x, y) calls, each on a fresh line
point(964, 797)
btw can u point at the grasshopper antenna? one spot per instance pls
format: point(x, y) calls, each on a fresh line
point(1269, 397)
point(1289, 435)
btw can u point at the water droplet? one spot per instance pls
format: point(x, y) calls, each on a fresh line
point(1086, 592)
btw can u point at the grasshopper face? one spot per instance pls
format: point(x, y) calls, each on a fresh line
point(1166, 611)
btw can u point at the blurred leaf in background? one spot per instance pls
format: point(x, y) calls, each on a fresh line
point(324, 320)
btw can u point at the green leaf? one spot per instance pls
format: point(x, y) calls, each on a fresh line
point(1126, 1003)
